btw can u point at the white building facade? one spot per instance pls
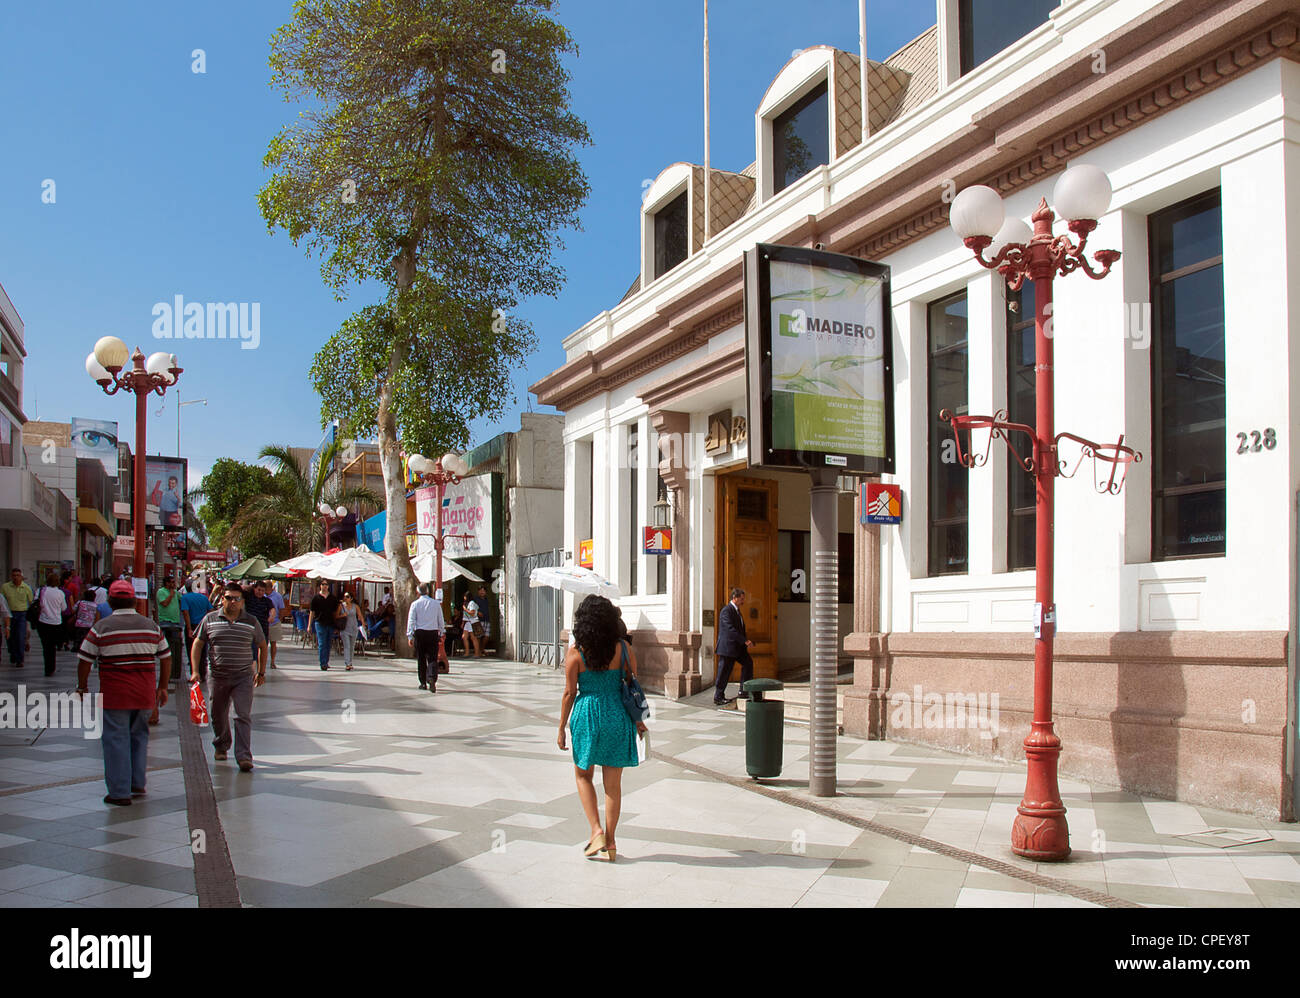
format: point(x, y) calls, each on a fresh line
point(1177, 600)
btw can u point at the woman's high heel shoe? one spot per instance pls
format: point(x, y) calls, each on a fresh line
point(595, 846)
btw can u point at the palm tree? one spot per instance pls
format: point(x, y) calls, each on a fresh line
point(291, 502)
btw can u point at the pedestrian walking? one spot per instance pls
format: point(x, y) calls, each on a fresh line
point(125, 645)
point(472, 627)
point(732, 646)
point(592, 709)
point(18, 594)
point(86, 613)
point(351, 627)
point(324, 608)
point(256, 603)
point(49, 624)
point(169, 619)
point(230, 634)
point(425, 626)
point(276, 634)
point(484, 614)
point(194, 607)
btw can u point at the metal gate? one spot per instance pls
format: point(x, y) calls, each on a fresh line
point(539, 625)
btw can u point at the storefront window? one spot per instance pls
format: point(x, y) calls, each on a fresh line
point(989, 26)
point(1020, 409)
point(670, 235)
point(1188, 398)
point(801, 139)
point(633, 509)
point(949, 482)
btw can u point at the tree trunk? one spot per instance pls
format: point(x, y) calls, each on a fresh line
point(390, 461)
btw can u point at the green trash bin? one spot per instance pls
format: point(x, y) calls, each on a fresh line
point(764, 727)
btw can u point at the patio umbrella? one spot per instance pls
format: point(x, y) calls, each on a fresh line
point(572, 579)
point(424, 568)
point(252, 568)
point(352, 564)
point(296, 567)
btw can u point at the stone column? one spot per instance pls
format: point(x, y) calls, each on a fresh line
point(683, 676)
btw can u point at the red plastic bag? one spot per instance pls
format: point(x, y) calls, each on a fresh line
point(198, 709)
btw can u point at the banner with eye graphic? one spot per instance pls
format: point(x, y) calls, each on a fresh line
point(96, 438)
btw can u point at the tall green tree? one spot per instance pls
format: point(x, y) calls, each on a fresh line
point(435, 155)
point(227, 486)
point(287, 508)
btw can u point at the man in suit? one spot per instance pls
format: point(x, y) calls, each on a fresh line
point(732, 645)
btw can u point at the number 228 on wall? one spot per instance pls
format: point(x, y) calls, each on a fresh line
point(1254, 441)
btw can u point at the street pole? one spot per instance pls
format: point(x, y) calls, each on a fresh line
point(437, 543)
point(1040, 829)
point(978, 217)
point(106, 365)
point(825, 630)
point(137, 572)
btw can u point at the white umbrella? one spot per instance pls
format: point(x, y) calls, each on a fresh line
point(425, 567)
point(302, 563)
point(350, 565)
point(572, 579)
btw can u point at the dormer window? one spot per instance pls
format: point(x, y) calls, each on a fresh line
point(986, 27)
point(801, 139)
point(670, 235)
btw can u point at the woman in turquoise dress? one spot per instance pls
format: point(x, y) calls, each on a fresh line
point(592, 710)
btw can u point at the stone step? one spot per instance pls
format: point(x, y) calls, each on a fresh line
point(798, 703)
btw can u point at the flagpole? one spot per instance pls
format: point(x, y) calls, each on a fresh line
point(707, 176)
point(862, 58)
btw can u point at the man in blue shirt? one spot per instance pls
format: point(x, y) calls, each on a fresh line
point(194, 607)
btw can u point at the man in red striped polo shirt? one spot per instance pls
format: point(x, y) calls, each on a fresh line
point(126, 645)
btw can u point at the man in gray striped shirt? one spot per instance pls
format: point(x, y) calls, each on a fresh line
point(231, 633)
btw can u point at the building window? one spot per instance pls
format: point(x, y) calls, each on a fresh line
point(793, 575)
point(633, 509)
point(949, 483)
point(1188, 402)
point(801, 139)
point(670, 235)
point(986, 27)
point(6, 442)
point(1020, 409)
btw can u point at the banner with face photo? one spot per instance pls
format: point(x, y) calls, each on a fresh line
point(164, 487)
point(96, 438)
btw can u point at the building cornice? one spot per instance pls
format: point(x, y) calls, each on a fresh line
point(1167, 57)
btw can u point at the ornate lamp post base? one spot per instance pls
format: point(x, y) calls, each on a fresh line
point(1040, 830)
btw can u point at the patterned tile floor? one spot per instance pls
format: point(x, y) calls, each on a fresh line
point(368, 791)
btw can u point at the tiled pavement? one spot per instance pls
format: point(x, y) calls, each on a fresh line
point(369, 792)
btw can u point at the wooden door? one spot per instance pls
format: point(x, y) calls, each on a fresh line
point(747, 557)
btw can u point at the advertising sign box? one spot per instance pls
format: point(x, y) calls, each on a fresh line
point(658, 540)
point(165, 486)
point(881, 503)
point(819, 361)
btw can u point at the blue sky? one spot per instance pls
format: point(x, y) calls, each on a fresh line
point(156, 170)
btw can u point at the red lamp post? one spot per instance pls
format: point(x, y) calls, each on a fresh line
point(1082, 195)
point(325, 515)
point(447, 471)
point(106, 365)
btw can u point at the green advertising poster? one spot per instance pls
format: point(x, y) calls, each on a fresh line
point(828, 361)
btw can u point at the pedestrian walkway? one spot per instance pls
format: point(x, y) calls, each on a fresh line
point(371, 792)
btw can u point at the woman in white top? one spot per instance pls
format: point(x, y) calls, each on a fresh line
point(50, 625)
point(473, 627)
point(349, 623)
